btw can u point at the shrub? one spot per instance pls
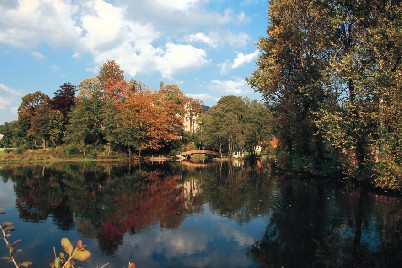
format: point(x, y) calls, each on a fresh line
point(71, 150)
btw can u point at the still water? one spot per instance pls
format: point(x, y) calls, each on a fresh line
point(197, 215)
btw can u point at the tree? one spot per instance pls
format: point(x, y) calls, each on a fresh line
point(63, 101)
point(85, 127)
point(110, 75)
point(11, 134)
point(226, 124)
point(64, 98)
point(259, 124)
point(34, 105)
point(289, 75)
point(329, 72)
point(146, 120)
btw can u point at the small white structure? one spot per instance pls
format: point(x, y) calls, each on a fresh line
point(1, 136)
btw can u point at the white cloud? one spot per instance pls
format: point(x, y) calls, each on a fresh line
point(140, 35)
point(242, 59)
point(10, 99)
point(176, 4)
point(241, 238)
point(237, 40)
point(203, 96)
point(181, 57)
point(224, 67)
point(203, 38)
point(37, 55)
point(33, 21)
point(236, 86)
point(55, 68)
point(219, 39)
point(101, 24)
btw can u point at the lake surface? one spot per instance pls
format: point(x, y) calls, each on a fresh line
point(197, 215)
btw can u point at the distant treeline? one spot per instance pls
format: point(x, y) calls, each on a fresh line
point(108, 114)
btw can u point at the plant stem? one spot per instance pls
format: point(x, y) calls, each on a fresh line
point(10, 248)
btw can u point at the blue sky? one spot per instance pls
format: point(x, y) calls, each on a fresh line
point(205, 47)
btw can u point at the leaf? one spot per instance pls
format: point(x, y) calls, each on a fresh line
point(67, 246)
point(56, 263)
point(82, 255)
point(7, 223)
point(25, 263)
point(80, 245)
point(10, 228)
point(16, 242)
point(18, 250)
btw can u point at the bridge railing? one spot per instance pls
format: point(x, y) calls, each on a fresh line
point(208, 152)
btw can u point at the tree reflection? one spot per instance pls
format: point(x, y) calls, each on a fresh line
point(107, 201)
point(316, 227)
point(310, 223)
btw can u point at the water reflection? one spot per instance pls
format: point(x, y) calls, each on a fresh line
point(209, 214)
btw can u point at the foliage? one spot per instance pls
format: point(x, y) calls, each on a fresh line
point(236, 124)
point(71, 254)
point(330, 73)
point(5, 233)
point(64, 259)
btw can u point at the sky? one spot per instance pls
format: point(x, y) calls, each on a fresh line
point(206, 47)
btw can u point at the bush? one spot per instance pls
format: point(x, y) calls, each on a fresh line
point(21, 150)
point(71, 150)
point(93, 154)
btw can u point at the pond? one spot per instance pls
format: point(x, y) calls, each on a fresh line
point(196, 215)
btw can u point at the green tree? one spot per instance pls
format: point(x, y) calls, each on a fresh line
point(225, 125)
point(32, 107)
point(85, 127)
point(289, 75)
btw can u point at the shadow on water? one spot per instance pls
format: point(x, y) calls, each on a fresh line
point(293, 222)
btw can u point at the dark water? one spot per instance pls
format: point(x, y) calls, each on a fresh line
point(183, 215)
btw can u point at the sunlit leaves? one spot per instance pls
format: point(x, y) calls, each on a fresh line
point(78, 253)
point(67, 246)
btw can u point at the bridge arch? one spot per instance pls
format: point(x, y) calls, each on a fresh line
point(207, 152)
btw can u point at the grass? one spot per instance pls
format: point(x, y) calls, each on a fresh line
point(51, 155)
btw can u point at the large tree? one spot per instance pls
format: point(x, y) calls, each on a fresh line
point(289, 75)
point(330, 70)
point(30, 111)
point(226, 125)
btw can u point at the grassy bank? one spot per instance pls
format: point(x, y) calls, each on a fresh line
point(54, 155)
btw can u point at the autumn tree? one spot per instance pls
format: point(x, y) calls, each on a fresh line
point(145, 120)
point(64, 98)
point(63, 101)
point(32, 107)
point(110, 76)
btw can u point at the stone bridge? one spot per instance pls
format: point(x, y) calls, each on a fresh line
point(207, 152)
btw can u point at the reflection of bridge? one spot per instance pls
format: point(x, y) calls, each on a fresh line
point(198, 165)
point(207, 152)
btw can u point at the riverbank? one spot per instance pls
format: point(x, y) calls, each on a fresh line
point(54, 155)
